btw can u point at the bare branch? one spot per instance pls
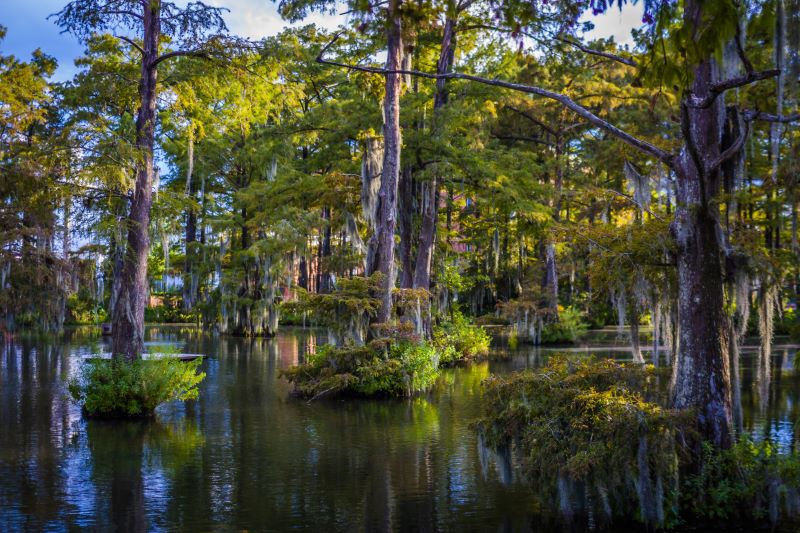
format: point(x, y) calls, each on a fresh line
point(733, 149)
point(565, 100)
point(600, 53)
point(633, 201)
point(722, 86)
point(178, 53)
point(769, 117)
point(130, 42)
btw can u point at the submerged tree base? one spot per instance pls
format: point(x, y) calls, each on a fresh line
point(594, 439)
point(119, 389)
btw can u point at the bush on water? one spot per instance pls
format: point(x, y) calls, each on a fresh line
point(116, 388)
point(594, 439)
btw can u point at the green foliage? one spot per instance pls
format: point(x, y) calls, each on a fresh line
point(569, 328)
point(600, 426)
point(346, 310)
point(750, 482)
point(399, 369)
point(583, 422)
point(83, 311)
point(458, 340)
point(117, 388)
point(168, 314)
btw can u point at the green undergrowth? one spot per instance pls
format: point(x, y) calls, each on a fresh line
point(119, 389)
point(368, 359)
point(569, 328)
point(593, 438)
point(400, 369)
point(398, 364)
point(457, 340)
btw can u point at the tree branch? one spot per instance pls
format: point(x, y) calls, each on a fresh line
point(722, 86)
point(600, 53)
point(633, 201)
point(733, 149)
point(522, 138)
point(533, 119)
point(565, 100)
point(769, 117)
point(178, 53)
point(130, 42)
point(748, 66)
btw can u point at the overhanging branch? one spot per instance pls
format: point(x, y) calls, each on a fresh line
point(769, 117)
point(565, 100)
point(722, 86)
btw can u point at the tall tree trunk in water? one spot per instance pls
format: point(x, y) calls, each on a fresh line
point(128, 319)
point(550, 279)
point(302, 276)
point(405, 206)
point(701, 372)
point(325, 283)
point(371, 170)
point(430, 197)
point(391, 162)
point(189, 284)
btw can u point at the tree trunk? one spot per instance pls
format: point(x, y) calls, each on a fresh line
point(128, 319)
point(387, 195)
point(189, 288)
point(325, 283)
point(430, 195)
point(701, 372)
point(406, 213)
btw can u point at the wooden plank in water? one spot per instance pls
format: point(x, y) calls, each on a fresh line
point(149, 356)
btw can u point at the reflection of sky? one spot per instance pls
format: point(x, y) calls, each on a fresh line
point(79, 490)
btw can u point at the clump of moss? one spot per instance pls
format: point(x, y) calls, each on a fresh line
point(119, 389)
point(382, 367)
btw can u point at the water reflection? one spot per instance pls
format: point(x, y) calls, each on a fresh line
point(248, 456)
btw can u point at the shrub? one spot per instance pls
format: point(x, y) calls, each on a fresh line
point(83, 311)
point(595, 432)
point(586, 427)
point(117, 388)
point(168, 314)
point(459, 340)
point(382, 368)
point(569, 328)
point(747, 483)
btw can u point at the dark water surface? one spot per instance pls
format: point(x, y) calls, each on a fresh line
point(246, 456)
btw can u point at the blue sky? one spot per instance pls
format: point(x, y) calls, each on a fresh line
point(28, 27)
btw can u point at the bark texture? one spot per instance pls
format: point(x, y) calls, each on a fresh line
point(430, 198)
point(701, 372)
point(387, 194)
point(128, 317)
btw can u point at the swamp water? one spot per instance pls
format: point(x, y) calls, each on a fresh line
point(247, 456)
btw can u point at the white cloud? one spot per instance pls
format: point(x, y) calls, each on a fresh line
point(255, 19)
point(616, 23)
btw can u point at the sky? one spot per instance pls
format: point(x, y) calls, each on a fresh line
point(29, 28)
